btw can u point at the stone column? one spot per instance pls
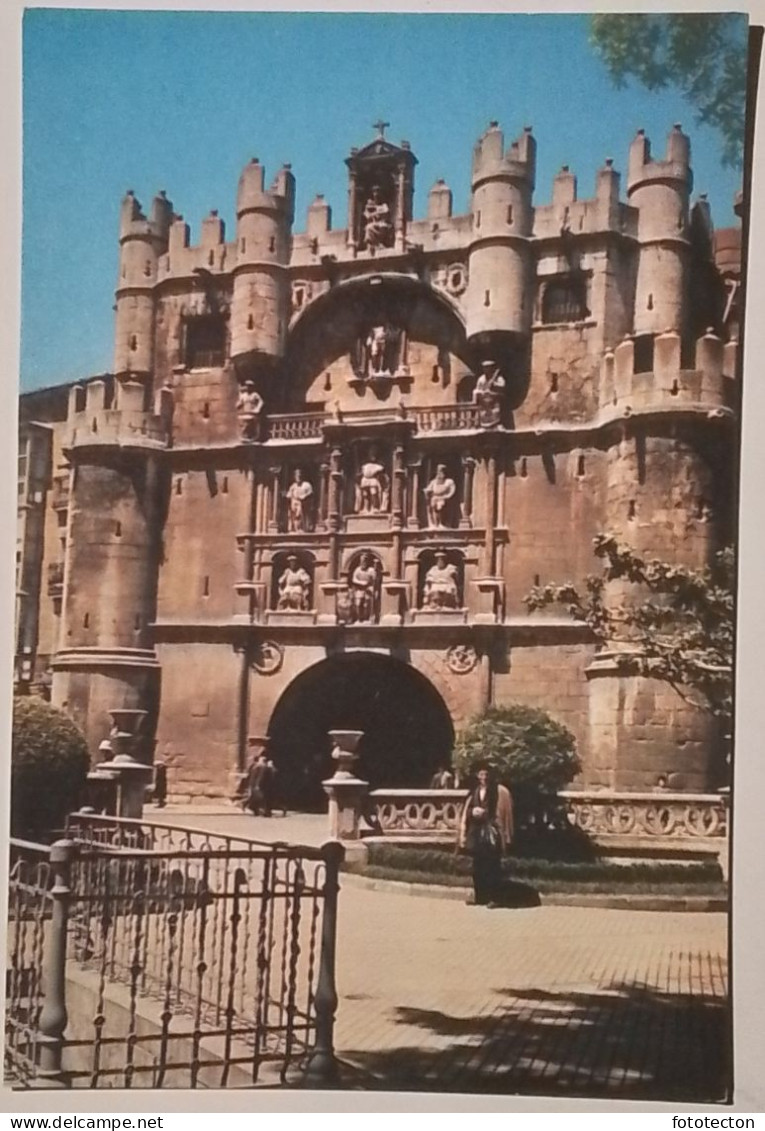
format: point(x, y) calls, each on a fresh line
point(399, 480)
point(321, 517)
point(347, 794)
point(466, 505)
point(400, 219)
point(53, 1016)
point(335, 488)
point(414, 500)
point(273, 516)
point(491, 511)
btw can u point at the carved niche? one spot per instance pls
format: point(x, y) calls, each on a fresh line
point(381, 191)
point(441, 579)
point(293, 582)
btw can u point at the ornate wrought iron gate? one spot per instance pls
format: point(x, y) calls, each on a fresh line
point(146, 955)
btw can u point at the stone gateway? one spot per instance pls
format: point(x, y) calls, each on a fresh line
point(329, 465)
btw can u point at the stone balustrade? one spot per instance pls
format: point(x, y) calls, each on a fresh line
point(431, 813)
point(682, 821)
point(649, 817)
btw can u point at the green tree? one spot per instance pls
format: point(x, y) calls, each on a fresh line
point(674, 623)
point(49, 764)
point(529, 751)
point(703, 54)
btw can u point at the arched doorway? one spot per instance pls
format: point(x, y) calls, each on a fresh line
point(408, 731)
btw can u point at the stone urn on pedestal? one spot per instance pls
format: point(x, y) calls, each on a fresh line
point(131, 775)
point(347, 793)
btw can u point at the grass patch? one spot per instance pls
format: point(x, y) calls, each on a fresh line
point(441, 866)
point(567, 886)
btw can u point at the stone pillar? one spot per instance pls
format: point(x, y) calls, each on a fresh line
point(347, 794)
point(132, 776)
point(400, 218)
point(335, 488)
point(273, 516)
point(53, 1016)
point(321, 517)
point(413, 521)
point(399, 480)
point(352, 205)
point(466, 505)
point(491, 511)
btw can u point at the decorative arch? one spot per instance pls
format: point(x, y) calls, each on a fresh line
point(408, 731)
point(331, 326)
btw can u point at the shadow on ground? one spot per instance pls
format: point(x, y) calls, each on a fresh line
point(629, 1042)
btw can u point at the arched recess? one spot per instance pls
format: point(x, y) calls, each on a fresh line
point(408, 731)
point(331, 325)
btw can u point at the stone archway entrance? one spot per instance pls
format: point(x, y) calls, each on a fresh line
point(408, 731)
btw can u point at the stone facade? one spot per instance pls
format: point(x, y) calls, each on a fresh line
point(335, 462)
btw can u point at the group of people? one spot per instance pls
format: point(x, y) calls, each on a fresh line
point(259, 787)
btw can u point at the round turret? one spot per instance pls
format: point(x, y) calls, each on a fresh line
point(499, 302)
point(142, 241)
point(660, 191)
point(260, 307)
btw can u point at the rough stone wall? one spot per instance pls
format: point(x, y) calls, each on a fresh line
point(88, 696)
point(207, 508)
point(553, 678)
point(553, 508)
point(197, 735)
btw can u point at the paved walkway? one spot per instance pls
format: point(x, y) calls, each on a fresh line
point(435, 995)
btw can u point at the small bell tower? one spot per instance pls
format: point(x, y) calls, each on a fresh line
point(380, 194)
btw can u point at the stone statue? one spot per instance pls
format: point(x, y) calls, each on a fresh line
point(299, 495)
point(438, 492)
point(378, 229)
point(376, 344)
point(365, 586)
point(441, 590)
point(249, 407)
point(294, 587)
point(490, 386)
point(372, 487)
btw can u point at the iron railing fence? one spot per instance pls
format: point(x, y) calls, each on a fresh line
point(191, 959)
point(29, 912)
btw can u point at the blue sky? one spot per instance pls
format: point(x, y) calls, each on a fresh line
point(181, 100)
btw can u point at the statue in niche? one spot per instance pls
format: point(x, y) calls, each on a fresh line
point(372, 489)
point(365, 589)
point(377, 228)
point(490, 386)
point(438, 493)
point(299, 496)
point(441, 590)
point(377, 354)
point(249, 406)
point(294, 587)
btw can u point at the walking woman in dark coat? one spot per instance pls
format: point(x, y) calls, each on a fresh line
point(486, 830)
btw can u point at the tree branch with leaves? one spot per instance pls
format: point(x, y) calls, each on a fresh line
point(702, 54)
point(676, 624)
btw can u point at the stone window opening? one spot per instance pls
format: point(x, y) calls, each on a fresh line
point(205, 341)
point(133, 342)
point(537, 580)
point(553, 383)
point(206, 410)
point(565, 299)
point(631, 510)
point(179, 486)
point(147, 268)
point(243, 244)
point(206, 586)
point(580, 466)
point(478, 219)
point(487, 298)
point(524, 467)
point(86, 621)
point(643, 357)
point(649, 303)
point(137, 622)
point(327, 382)
point(224, 485)
point(118, 529)
point(509, 213)
point(272, 244)
point(211, 258)
point(673, 392)
point(250, 322)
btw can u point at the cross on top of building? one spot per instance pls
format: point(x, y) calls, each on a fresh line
point(381, 126)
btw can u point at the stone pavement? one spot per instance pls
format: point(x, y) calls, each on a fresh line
point(569, 1001)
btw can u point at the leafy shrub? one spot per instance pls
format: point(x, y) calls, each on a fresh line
point(532, 753)
point(49, 764)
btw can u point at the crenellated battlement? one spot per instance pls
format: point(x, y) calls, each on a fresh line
point(490, 159)
point(134, 224)
point(95, 419)
point(252, 195)
point(676, 165)
point(631, 381)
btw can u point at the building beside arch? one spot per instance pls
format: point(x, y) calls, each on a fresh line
point(330, 464)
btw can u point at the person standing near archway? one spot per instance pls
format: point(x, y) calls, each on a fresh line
point(486, 831)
